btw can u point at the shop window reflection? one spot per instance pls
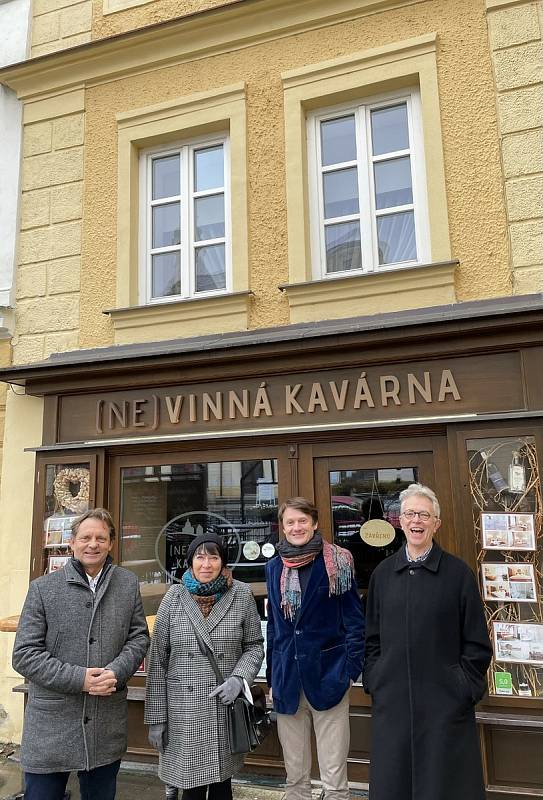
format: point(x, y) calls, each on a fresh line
point(361, 495)
point(164, 506)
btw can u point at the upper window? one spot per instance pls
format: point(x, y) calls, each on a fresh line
point(185, 240)
point(368, 188)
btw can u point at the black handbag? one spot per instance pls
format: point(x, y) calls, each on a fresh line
point(248, 723)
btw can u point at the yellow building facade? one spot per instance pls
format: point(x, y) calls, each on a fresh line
point(111, 83)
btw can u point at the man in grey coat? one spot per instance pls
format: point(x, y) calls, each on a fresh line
point(81, 636)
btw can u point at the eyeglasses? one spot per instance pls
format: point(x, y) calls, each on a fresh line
point(423, 515)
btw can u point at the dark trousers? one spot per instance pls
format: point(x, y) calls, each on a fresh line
point(217, 791)
point(94, 784)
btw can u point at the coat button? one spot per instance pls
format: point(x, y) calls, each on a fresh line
point(190, 688)
point(221, 655)
point(411, 571)
point(295, 658)
point(298, 633)
point(86, 719)
point(89, 604)
point(92, 640)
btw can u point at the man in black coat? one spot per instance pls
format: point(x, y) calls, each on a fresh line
point(427, 653)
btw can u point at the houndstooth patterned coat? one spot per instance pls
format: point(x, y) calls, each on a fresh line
point(180, 679)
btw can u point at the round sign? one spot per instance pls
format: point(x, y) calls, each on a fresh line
point(268, 550)
point(377, 532)
point(173, 540)
point(251, 551)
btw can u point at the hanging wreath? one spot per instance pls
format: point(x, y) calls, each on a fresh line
point(62, 488)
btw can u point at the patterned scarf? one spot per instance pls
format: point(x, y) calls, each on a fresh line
point(207, 594)
point(338, 563)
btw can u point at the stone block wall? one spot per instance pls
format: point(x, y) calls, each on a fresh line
point(59, 24)
point(515, 28)
point(47, 315)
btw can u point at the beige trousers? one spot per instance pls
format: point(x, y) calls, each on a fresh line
point(332, 735)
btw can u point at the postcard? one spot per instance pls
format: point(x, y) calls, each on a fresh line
point(56, 562)
point(509, 582)
point(508, 531)
point(518, 642)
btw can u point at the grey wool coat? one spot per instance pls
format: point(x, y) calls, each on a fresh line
point(180, 679)
point(64, 629)
point(427, 653)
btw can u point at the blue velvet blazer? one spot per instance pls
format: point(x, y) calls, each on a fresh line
point(321, 650)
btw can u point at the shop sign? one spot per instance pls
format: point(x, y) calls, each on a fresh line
point(335, 396)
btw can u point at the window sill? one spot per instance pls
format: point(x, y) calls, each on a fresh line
point(181, 318)
point(400, 289)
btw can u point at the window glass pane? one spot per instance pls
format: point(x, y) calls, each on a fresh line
point(208, 168)
point(343, 247)
point(210, 268)
point(396, 238)
point(389, 129)
point(66, 497)
point(166, 177)
point(163, 507)
point(505, 481)
point(340, 193)
point(338, 141)
point(359, 495)
point(166, 278)
point(393, 183)
point(209, 217)
point(166, 225)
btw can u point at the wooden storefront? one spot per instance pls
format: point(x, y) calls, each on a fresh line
point(348, 413)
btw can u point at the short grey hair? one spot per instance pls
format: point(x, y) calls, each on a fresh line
point(418, 490)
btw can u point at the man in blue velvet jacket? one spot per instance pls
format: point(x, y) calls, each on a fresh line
point(315, 650)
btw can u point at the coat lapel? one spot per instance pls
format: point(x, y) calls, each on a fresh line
point(220, 608)
point(192, 610)
point(313, 583)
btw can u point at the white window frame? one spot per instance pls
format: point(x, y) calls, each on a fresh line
point(188, 246)
point(366, 190)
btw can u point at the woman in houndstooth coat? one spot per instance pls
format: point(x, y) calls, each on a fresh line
point(184, 707)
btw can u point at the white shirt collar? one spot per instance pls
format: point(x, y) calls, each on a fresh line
point(93, 581)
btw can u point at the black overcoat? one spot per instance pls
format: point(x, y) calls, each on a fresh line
point(427, 653)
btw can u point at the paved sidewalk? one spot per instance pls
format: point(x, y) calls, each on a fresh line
point(140, 781)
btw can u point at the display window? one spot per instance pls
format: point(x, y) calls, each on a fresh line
point(163, 507)
point(68, 491)
point(505, 487)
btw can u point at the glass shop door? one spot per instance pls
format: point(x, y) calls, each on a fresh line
point(359, 503)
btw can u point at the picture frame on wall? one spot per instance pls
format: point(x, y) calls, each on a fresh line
point(58, 530)
point(515, 532)
point(56, 562)
point(508, 582)
point(518, 643)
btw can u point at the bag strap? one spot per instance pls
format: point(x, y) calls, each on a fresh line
point(207, 651)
